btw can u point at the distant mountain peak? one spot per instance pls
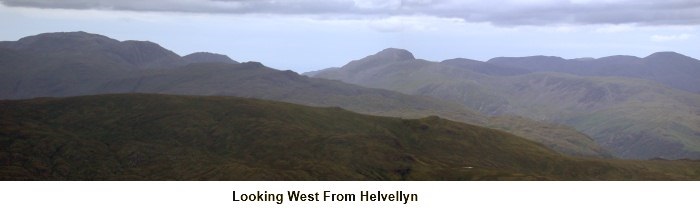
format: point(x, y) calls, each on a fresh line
point(394, 54)
point(61, 40)
point(252, 65)
point(666, 55)
point(94, 48)
point(76, 34)
point(618, 59)
point(546, 58)
point(384, 57)
point(208, 57)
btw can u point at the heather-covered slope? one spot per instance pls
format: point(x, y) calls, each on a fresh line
point(161, 137)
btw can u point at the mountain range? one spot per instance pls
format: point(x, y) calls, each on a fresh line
point(86, 64)
point(630, 116)
point(81, 106)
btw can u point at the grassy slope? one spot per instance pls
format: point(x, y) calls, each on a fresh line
point(465, 87)
point(161, 137)
point(566, 142)
point(633, 118)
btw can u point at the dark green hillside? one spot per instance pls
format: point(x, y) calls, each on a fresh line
point(160, 137)
point(565, 142)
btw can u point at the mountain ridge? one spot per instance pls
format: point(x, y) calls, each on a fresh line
point(669, 68)
point(71, 76)
point(130, 53)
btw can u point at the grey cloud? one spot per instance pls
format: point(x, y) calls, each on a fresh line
point(498, 12)
point(194, 6)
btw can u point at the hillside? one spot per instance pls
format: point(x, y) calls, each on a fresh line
point(163, 137)
point(257, 81)
point(630, 117)
point(212, 74)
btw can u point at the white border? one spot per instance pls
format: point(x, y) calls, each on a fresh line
point(432, 195)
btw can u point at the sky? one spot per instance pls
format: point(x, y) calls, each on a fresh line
point(307, 35)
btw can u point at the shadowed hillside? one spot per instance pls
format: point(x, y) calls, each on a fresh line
point(79, 63)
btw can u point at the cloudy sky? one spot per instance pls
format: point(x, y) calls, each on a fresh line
point(305, 35)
